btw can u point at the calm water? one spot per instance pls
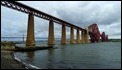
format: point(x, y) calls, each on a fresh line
point(106, 55)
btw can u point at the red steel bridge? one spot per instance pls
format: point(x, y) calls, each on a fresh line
point(92, 30)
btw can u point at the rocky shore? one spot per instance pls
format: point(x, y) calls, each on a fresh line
point(8, 61)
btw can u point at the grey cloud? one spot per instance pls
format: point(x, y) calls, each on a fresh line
point(91, 13)
point(81, 13)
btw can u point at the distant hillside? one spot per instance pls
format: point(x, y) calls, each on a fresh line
point(114, 40)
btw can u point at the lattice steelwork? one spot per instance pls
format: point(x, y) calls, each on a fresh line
point(29, 10)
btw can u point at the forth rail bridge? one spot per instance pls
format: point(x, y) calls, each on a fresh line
point(92, 30)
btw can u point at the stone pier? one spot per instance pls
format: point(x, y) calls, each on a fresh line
point(78, 36)
point(72, 35)
point(63, 36)
point(51, 40)
point(30, 40)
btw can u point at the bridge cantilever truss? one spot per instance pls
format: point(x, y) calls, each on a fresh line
point(29, 10)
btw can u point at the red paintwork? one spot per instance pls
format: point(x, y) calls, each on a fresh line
point(95, 34)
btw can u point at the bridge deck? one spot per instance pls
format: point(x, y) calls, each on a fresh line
point(26, 9)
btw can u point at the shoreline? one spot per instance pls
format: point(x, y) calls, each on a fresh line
point(8, 61)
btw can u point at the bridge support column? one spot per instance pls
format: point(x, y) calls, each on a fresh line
point(82, 37)
point(63, 37)
point(72, 35)
point(51, 40)
point(78, 36)
point(86, 36)
point(30, 40)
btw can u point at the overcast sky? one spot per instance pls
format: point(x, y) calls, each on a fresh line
point(106, 14)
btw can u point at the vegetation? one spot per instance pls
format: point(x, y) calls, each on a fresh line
point(7, 45)
point(10, 45)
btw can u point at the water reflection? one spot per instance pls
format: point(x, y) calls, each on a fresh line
point(77, 56)
point(50, 58)
point(30, 55)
